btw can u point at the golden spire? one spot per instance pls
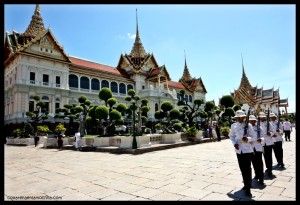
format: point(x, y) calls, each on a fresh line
point(138, 48)
point(244, 81)
point(36, 24)
point(186, 73)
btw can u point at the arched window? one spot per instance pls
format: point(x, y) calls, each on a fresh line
point(84, 82)
point(95, 84)
point(73, 81)
point(45, 100)
point(31, 104)
point(122, 88)
point(129, 87)
point(156, 107)
point(190, 98)
point(104, 84)
point(114, 87)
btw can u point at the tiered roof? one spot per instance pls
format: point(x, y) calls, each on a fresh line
point(253, 95)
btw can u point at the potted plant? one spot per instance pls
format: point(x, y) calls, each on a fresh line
point(191, 133)
point(225, 131)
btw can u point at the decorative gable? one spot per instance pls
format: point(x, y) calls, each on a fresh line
point(46, 45)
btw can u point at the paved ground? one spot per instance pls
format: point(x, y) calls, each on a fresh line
point(207, 171)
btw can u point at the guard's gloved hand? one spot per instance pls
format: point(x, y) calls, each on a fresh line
point(236, 146)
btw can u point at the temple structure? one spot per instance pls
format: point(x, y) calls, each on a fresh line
point(258, 99)
point(36, 64)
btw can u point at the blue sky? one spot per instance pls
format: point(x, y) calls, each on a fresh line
point(213, 37)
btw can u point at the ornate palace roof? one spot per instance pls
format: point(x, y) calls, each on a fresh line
point(253, 95)
point(36, 25)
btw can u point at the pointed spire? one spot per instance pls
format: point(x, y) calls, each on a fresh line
point(36, 24)
point(186, 73)
point(244, 81)
point(138, 48)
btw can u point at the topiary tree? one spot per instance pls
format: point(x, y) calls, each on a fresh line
point(105, 94)
point(27, 130)
point(85, 104)
point(189, 112)
point(209, 109)
point(142, 110)
point(101, 114)
point(227, 101)
point(38, 115)
point(70, 112)
point(113, 116)
point(166, 116)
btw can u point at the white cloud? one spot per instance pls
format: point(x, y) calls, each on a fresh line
point(125, 37)
point(131, 36)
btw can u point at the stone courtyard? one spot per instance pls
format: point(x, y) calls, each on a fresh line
point(207, 171)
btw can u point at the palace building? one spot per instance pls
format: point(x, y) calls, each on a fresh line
point(36, 64)
point(258, 99)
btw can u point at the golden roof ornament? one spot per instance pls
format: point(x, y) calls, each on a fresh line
point(36, 24)
point(244, 81)
point(186, 76)
point(138, 48)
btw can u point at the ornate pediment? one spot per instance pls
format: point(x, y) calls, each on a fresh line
point(46, 45)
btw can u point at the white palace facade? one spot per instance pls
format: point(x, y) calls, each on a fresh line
point(36, 64)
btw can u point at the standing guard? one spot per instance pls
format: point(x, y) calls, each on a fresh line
point(267, 131)
point(277, 138)
point(257, 161)
point(240, 137)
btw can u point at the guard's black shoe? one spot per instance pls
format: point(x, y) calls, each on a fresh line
point(248, 194)
point(271, 175)
point(261, 182)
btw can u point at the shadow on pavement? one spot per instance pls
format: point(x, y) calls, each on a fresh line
point(256, 185)
point(239, 196)
point(275, 167)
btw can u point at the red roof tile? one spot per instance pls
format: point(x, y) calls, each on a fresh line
point(176, 85)
point(93, 65)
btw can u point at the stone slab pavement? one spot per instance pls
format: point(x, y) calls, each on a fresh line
point(206, 172)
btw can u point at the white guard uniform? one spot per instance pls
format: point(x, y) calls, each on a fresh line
point(278, 134)
point(267, 139)
point(258, 145)
point(236, 134)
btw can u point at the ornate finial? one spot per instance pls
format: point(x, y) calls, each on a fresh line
point(36, 24)
point(243, 65)
point(137, 23)
point(185, 59)
point(138, 48)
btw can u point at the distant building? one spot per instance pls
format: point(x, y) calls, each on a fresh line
point(36, 64)
point(258, 99)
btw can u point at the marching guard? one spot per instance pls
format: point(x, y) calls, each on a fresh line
point(267, 131)
point(277, 138)
point(257, 160)
point(244, 151)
